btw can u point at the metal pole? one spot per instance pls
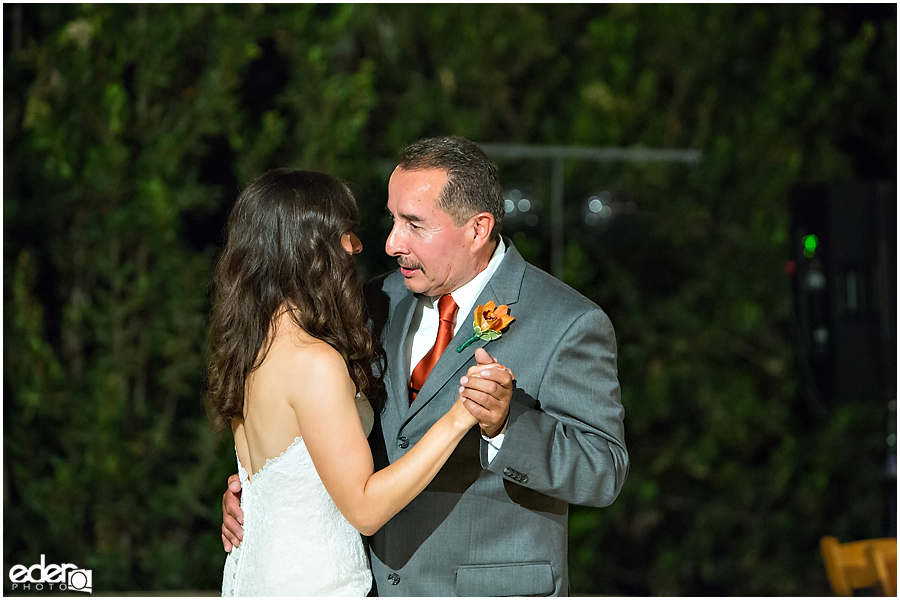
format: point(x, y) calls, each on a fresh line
point(639, 155)
point(556, 217)
point(557, 154)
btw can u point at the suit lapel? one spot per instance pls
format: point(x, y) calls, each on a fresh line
point(503, 288)
point(394, 339)
point(506, 283)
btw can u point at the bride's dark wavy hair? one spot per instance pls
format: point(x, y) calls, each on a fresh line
point(284, 251)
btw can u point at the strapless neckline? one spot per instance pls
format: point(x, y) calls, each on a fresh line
point(269, 461)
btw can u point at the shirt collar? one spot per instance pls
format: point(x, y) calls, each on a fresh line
point(466, 295)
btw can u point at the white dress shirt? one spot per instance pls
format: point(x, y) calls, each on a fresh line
point(424, 326)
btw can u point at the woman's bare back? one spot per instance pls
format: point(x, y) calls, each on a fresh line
point(270, 423)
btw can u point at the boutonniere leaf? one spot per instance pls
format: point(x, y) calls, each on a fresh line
point(490, 321)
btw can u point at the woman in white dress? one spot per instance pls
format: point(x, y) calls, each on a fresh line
point(290, 368)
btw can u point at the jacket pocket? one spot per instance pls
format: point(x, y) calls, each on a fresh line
point(511, 579)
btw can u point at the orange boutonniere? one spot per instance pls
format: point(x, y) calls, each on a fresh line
point(489, 322)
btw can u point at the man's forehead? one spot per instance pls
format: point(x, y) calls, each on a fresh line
point(425, 179)
point(401, 170)
point(415, 191)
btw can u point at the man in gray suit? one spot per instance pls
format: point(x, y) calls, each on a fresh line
point(494, 521)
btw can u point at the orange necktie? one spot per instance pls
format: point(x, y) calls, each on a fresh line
point(447, 310)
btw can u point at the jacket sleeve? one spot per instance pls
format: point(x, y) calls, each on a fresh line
point(568, 440)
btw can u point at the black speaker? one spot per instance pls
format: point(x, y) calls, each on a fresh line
point(844, 241)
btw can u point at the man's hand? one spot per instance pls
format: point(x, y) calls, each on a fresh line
point(232, 515)
point(489, 386)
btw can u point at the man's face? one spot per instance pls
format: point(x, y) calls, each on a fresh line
point(435, 256)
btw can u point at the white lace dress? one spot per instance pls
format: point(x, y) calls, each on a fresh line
point(296, 542)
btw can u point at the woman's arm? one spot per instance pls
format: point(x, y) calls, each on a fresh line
point(323, 399)
point(481, 388)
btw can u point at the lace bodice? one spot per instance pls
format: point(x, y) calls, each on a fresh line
point(296, 542)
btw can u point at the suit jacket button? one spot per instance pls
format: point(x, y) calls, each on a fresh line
point(524, 479)
point(403, 442)
point(394, 578)
point(508, 472)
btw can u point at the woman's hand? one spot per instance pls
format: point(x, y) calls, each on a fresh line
point(486, 391)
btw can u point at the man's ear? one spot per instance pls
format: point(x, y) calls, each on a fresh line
point(481, 226)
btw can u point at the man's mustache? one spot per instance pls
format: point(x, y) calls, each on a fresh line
point(408, 264)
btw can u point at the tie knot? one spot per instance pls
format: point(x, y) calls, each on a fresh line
point(447, 308)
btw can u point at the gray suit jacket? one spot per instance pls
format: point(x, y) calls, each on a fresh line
point(500, 528)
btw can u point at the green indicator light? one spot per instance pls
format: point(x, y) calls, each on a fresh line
point(810, 243)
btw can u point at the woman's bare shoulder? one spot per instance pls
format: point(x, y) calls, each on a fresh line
point(315, 357)
point(308, 365)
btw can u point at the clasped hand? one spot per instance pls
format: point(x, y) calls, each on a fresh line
point(487, 389)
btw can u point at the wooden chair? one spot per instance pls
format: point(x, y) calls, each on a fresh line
point(884, 558)
point(852, 565)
